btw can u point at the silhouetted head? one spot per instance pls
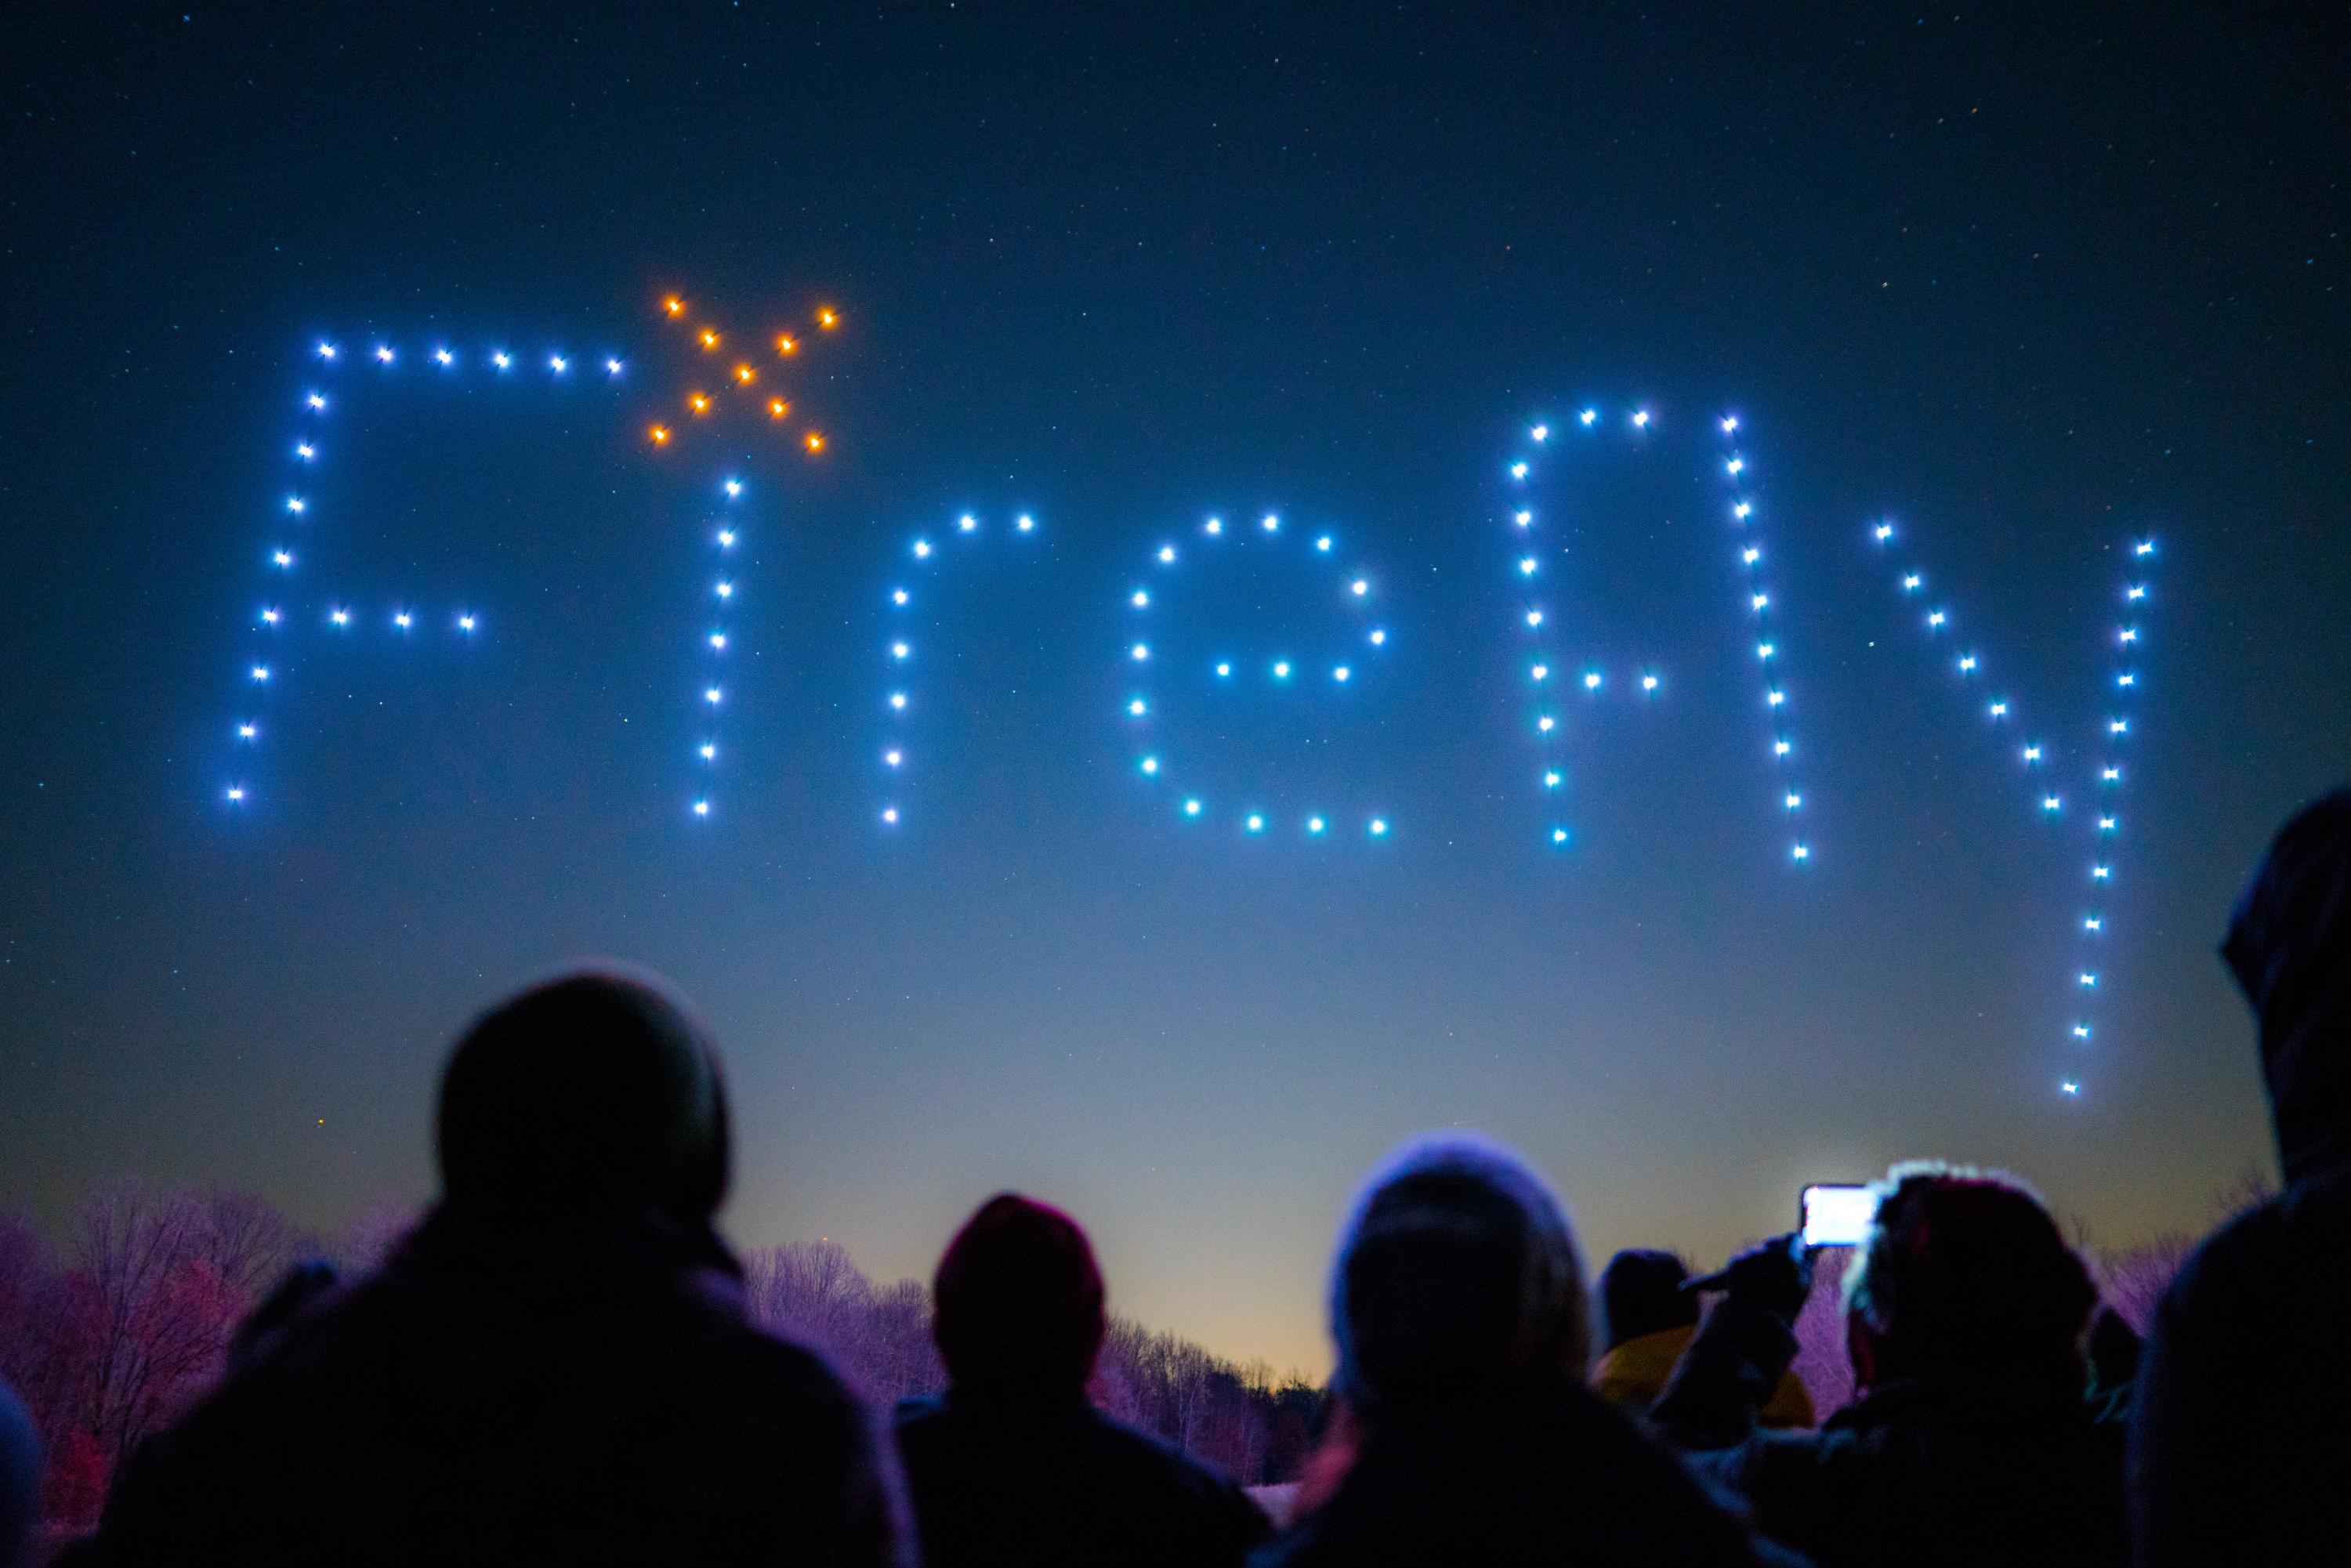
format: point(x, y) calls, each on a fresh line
point(1965, 1274)
point(1456, 1279)
point(589, 1093)
point(1641, 1294)
point(2289, 945)
point(1017, 1306)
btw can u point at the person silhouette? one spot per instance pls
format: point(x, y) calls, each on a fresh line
point(557, 1365)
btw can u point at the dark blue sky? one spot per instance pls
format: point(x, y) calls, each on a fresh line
point(2034, 288)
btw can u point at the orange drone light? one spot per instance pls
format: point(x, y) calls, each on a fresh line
point(660, 435)
point(815, 440)
point(778, 408)
point(826, 319)
point(743, 373)
point(784, 345)
point(709, 339)
point(698, 403)
point(673, 305)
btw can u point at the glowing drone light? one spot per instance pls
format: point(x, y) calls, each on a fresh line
point(1024, 523)
point(325, 350)
point(282, 557)
point(261, 672)
point(464, 623)
point(612, 366)
point(727, 541)
point(1541, 433)
point(340, 617)
point(295, 504)
point(1136, 709)
point(403, 620)
point(269, 617)
point(234, 793)
point(967, 523)
point(1641, 418)
point(444, 357)
point(1518, 470)
point(711, 695)
point(1592, 680)
point(724, 590)
point(1359, 587)
point(383, 353)
point(502, 360)
point(1323, 544)
point(1730, 423)
point(558, 363)
point(1648, 682)
point(305, 451)
point(1379, 827)
point(1379, 637)
point(1589, 415)
point(1166, 555)
point(316, 400)
point(1885, 531)
point(922, 549)
point(734, 488)
point(1270, 523)
point(247, 732)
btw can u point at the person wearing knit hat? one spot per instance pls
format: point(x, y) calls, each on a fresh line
point(1014, 1465)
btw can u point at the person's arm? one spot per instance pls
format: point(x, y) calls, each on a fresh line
point(1736, 1359)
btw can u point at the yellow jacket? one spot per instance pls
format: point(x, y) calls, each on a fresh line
point(1634, 1374)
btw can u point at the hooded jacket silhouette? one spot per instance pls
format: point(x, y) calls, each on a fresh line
point(2241, 1440)
point(555, 1367)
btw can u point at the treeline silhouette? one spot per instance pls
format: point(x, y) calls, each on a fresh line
point(111, 1332)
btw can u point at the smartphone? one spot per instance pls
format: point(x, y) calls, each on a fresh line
point(1837, 1215)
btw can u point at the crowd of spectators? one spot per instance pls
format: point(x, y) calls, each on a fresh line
point(558, 1365)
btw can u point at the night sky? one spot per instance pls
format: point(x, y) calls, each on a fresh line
point(2033, 288)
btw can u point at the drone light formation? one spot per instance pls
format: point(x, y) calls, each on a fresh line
point(2090, 927)
point(1352, 592)
point(1750, 550)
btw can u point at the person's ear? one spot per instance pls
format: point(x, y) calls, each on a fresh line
point(1861, 1347)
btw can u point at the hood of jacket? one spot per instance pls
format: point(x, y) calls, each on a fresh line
point(2289, 946)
